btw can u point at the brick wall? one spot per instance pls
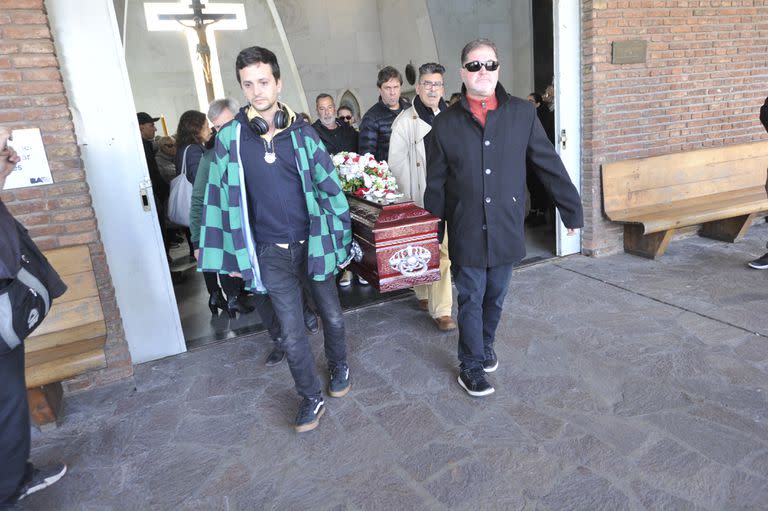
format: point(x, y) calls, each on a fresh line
point(32, 95)
point(702, 85)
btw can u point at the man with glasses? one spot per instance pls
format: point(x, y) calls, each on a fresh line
point(336, 135)
point(476, 165)
point(407, 159)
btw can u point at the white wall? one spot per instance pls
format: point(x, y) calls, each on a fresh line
point(338, 45)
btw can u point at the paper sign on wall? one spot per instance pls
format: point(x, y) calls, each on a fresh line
point(32, 169)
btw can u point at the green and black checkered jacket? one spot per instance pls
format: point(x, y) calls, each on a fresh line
point(226, 239)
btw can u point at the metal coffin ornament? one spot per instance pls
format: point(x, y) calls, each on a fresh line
point(394, 244)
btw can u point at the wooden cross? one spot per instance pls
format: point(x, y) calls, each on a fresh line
point(199, 27)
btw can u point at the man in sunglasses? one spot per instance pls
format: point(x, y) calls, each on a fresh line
point(407, 159)
point(476, 169)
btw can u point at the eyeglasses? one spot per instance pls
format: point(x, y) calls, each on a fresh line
point(475, 65)
point(432, 85)
point(346, 117)
point(169, 146)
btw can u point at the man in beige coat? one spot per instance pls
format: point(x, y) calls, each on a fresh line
point(407, 159)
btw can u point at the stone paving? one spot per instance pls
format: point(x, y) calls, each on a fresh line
point(623, 384)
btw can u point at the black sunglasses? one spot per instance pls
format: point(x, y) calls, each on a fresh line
point(475, 65)
point(346, 117)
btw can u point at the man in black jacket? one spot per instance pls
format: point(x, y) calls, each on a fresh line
point(18, 478)
point(336, 135)
point(761, 263)
point(476, 165)
point(376, 126)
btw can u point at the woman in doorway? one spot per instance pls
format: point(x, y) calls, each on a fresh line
point(191, 136)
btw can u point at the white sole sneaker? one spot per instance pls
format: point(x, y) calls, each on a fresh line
point(474, 392)
point(43, 483)
point(491, 369)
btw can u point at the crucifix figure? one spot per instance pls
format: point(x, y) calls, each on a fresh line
point(199, 27)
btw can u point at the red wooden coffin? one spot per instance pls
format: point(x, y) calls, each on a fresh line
point(394, 244)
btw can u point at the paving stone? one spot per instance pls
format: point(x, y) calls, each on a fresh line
point(745, 491)
point(540, 426)
point(425, 462)
point(653, 498)
point(584, 490)
point(590, 452)
point(672, 459)
point(642, 396)
point(411, 425)
point(714, 441)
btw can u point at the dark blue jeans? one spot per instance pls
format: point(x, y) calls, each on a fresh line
point(283, 272)
point(481, 298)
point(14, 426)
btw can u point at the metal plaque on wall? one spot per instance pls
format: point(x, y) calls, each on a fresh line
point(629, 52)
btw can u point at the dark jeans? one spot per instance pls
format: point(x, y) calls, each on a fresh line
point(284, 273)
point(481, 297)
point(14, 426)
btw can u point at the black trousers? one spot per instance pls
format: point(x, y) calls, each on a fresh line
point(14, 426)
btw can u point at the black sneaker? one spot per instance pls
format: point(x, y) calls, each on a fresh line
point(339, 385)
point(760, 263)
point(491, 363)
point(275, 357)
point(474, 382)
point(42, 478)
point(310, 411)
point(310, 320)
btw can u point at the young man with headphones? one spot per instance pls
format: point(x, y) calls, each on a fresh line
point(275, 213)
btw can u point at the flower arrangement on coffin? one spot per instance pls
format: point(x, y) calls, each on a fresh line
point(363, 176)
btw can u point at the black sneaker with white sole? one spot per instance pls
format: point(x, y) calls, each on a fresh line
point(491, 363)
point(474, 382)
point(339, 384)
point(760, 263)
point(42, 478)
point(310, 411)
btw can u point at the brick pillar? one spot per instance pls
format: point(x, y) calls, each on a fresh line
point(32, 95)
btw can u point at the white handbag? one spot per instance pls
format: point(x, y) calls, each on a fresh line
point(180, 198)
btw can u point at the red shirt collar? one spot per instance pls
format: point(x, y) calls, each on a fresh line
point(480, 107)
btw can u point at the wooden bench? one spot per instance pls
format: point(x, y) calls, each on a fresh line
point(70, 341)
point(722, 189)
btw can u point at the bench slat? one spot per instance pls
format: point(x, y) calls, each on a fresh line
point(644, 182)
point(63, 316)
point(64, 362)
point(79, 285)
point(62, 337)
point(69, 260)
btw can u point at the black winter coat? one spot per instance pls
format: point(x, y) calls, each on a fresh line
point(476, 179)
point(342, 138)
point(376, 129)
point(764, 114)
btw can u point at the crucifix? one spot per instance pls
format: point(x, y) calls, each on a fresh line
point(199, 28)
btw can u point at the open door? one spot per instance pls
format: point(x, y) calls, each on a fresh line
point(567, 33)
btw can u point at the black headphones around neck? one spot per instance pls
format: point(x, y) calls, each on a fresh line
point(260, 126)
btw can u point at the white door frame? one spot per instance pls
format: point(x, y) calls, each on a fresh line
point(93, 67)
point(567, 44)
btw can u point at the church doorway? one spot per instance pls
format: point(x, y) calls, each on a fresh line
point(170, 75)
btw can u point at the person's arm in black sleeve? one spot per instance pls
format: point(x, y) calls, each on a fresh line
point(550, 170)
point(764, 114)
point(437, 173)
